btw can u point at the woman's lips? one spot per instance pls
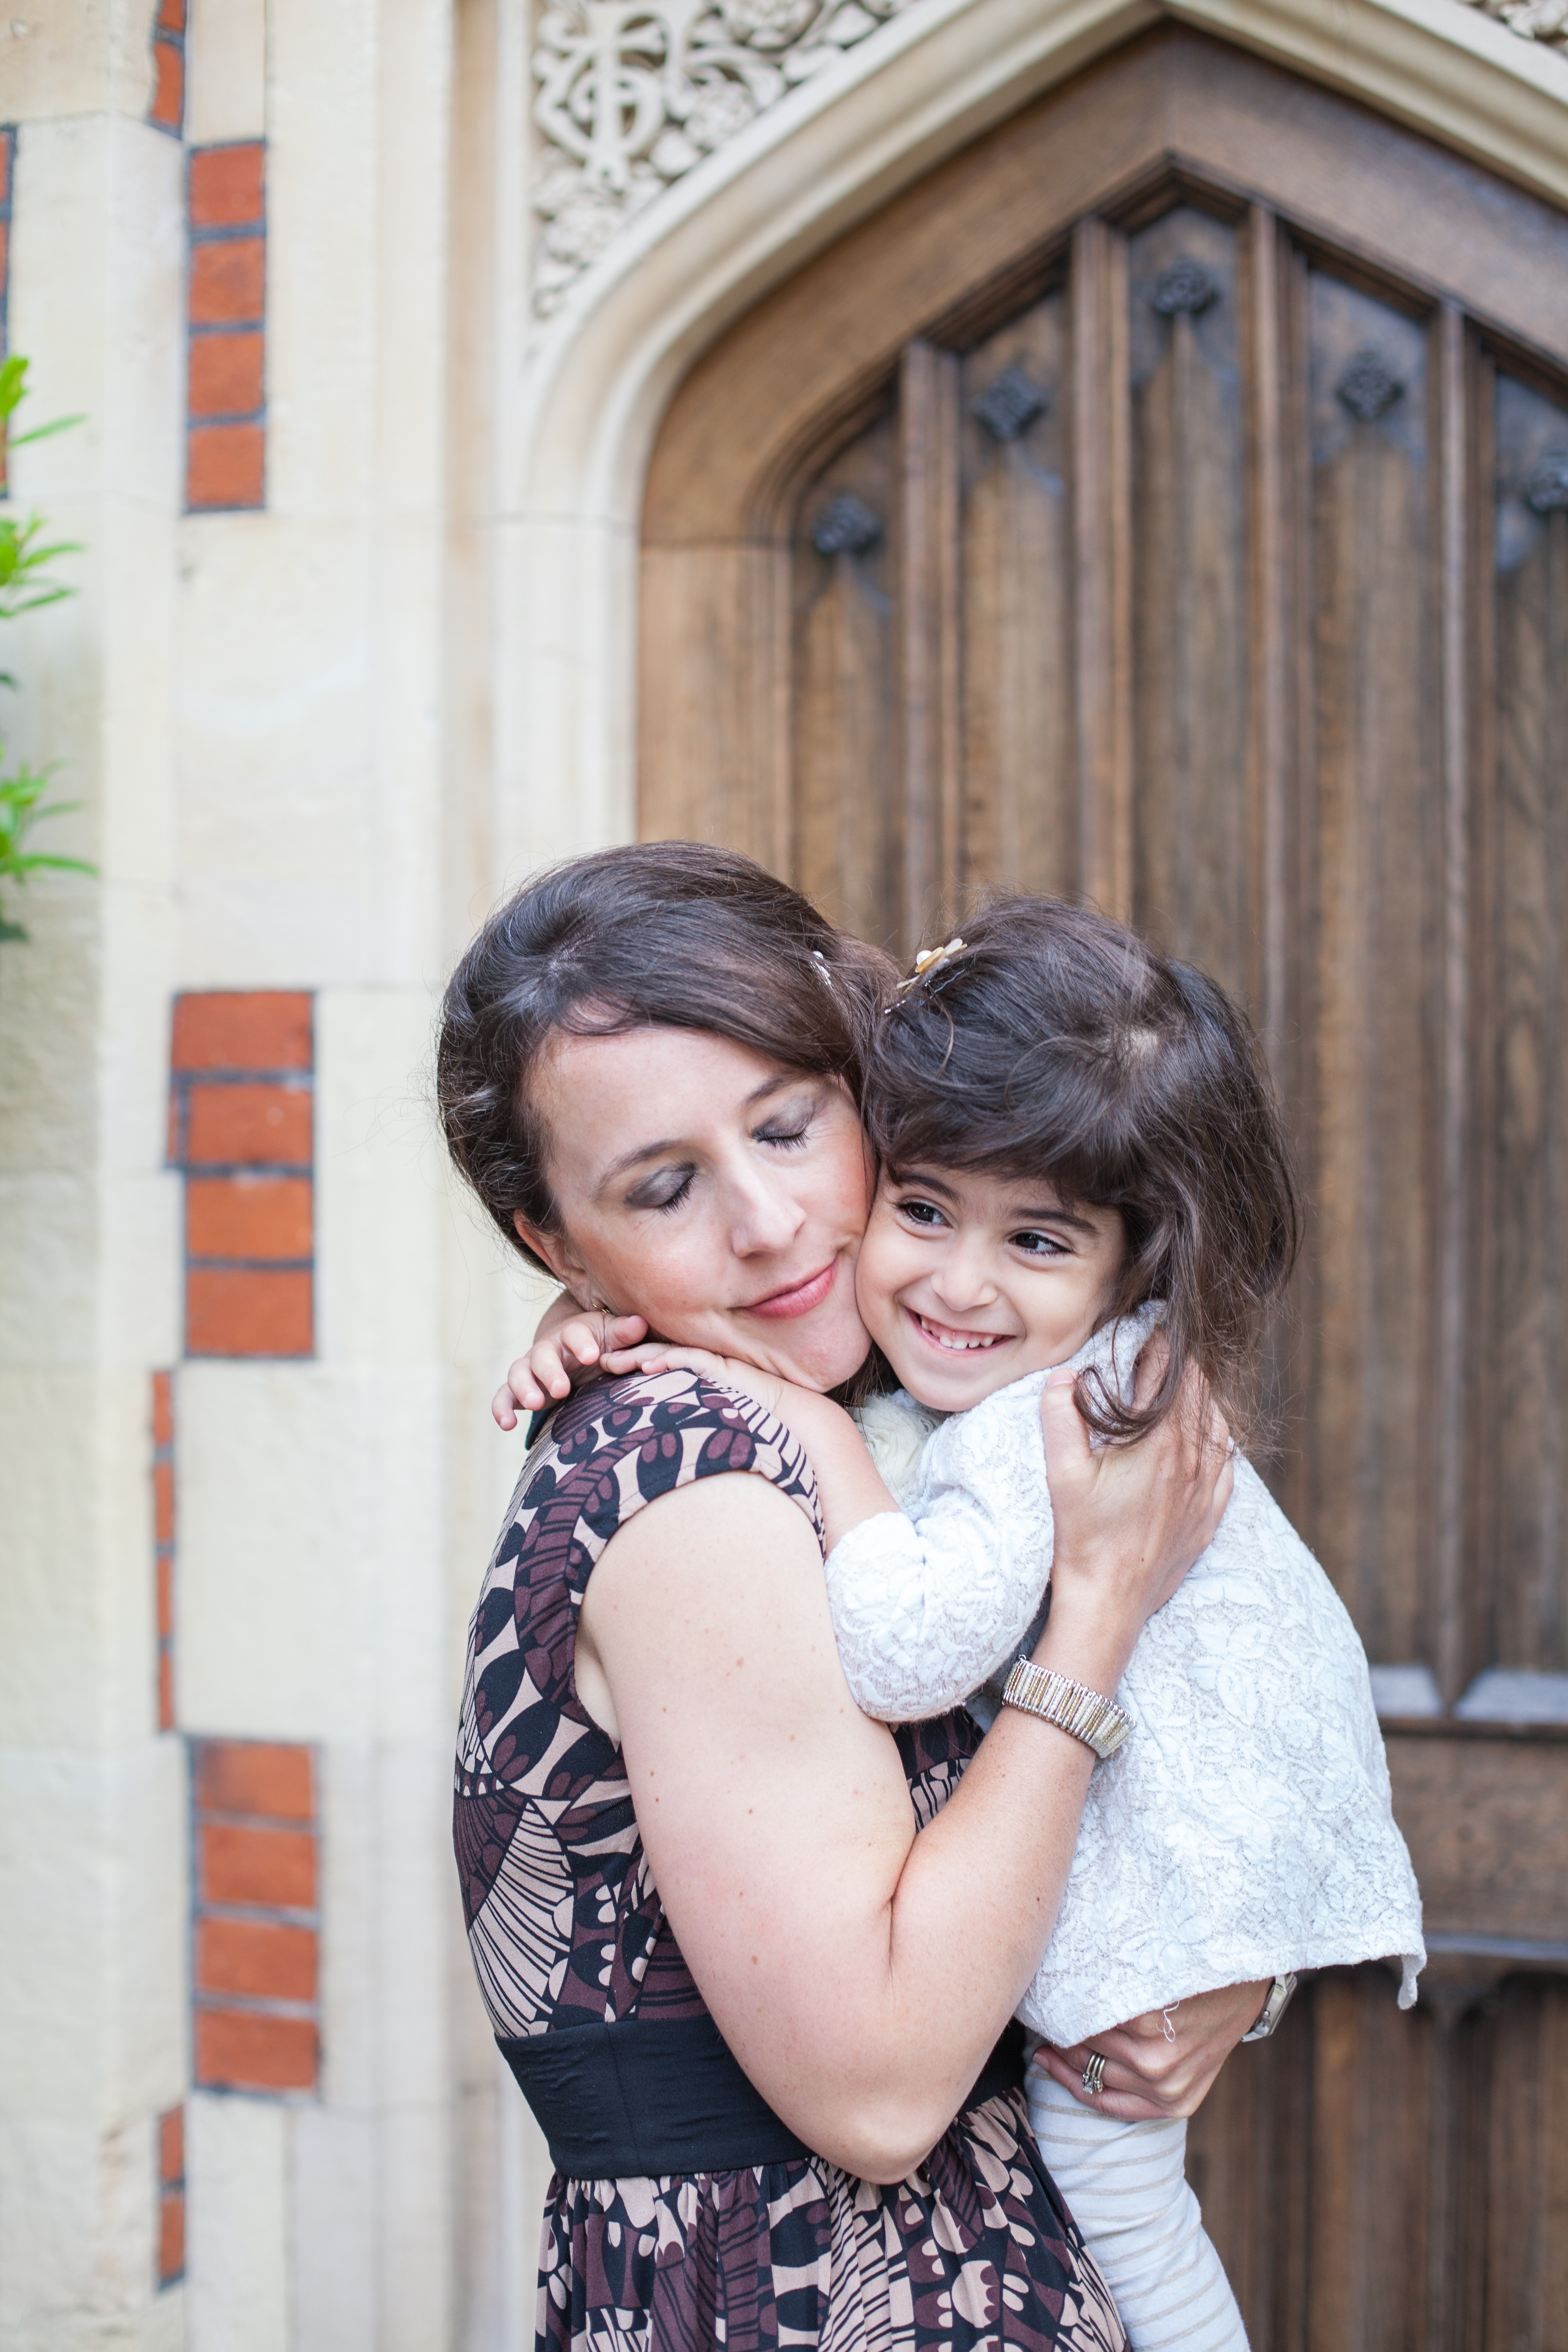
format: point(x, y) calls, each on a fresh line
point(800, 1299)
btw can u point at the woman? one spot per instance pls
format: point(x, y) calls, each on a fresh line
point(680, 1844)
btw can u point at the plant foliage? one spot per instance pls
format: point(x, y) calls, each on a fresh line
point(25, 554)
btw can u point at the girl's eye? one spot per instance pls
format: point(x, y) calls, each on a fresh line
point(1038, 1245)
point(924, 1213)
point(666, 1190)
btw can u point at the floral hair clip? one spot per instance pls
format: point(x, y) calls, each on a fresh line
point(928, 961)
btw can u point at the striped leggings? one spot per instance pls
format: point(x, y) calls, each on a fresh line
point(1126, 2189)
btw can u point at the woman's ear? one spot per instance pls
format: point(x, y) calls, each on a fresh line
point(557, 1254)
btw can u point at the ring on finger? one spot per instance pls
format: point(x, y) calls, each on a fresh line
point(1094, 2074)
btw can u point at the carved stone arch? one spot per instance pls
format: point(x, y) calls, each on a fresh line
point(598, 377)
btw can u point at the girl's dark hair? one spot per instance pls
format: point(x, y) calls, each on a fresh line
point(1060, 1046)
point(662, 932)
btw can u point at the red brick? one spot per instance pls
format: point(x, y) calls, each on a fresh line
point(166, 1691)
point(168, 107)
point(171, 16)
point(7, 141)
point(249, 1126)
point(249, 1216)
point(162, 1501)
point(171, 2236)
point(162, 1409)
point(235, 1312)
point(165, 1570)
point(276, 1868)
point(243, 1029)
point(242, 2050)
point(271, 1777)
point(224, 374)
point(172, 2147)
point(226, 467)
point(275, 1962)
point(225, 186)
point(228, 282)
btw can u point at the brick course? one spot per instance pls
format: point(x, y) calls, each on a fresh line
point(170, 2197)
point(255, 1953)
point(241, 1127)
point(225, 368)
point(167, 106)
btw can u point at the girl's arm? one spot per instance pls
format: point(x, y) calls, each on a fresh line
point(861, 1973)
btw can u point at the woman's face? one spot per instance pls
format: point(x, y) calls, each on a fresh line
point(711, 1190)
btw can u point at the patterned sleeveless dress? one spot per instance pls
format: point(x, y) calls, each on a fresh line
point(566, 1930)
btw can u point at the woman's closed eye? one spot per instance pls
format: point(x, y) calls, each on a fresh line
point(665, 1189)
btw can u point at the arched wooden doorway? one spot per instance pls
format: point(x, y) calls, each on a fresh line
point(1167, 500)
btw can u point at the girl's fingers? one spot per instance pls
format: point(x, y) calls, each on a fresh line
point(503, 1410)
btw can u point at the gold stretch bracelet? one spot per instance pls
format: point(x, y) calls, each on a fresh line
point(1098, 1721)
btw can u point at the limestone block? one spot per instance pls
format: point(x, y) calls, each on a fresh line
point(311, 1602)
point(76, 1600)
point(48, 1269)
point(333, 2210)
point(237, 2257)
point(76, 2221)
point(381, 1191)
point(48, 1007)
point(76, 57)
point(322, 323)
point(226, 68)
point(92, 1995)
point(274, 750)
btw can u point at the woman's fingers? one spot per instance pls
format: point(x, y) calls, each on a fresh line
point(1163, 2063)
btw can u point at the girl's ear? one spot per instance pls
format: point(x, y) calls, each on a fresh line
point(559, 1256)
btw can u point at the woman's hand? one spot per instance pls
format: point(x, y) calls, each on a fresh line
point(568, 1346)
point(1131, 1519)
point(1150, 2074)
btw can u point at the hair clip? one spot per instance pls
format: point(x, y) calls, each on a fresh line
point(820, 961)
point(927, 961)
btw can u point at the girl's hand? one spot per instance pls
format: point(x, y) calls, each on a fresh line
point(729, 1371)
point(1150, 2074)
point(1131, 1519)
point(568, 1346)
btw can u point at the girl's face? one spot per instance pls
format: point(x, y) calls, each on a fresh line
point(967, 1282)
point(710, 1190)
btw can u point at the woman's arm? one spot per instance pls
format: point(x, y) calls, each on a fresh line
point(859, 1972)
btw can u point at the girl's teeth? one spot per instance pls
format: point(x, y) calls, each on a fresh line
point(953, 1341)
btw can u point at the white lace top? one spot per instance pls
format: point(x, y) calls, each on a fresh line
point(1245, 1828)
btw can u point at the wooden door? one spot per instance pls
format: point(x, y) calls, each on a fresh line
point(1167, 501)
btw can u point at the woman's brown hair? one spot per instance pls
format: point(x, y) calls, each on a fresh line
point(1057, 1046)
point(660, 933)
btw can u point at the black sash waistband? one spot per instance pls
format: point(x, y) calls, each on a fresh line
point(638, 2098)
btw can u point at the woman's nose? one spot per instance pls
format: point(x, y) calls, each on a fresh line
point(766, 1216)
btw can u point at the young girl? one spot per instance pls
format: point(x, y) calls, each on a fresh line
point(1078, 1142)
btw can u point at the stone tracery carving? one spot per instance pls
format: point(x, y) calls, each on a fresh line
point(1535, 20)
point(634, 92)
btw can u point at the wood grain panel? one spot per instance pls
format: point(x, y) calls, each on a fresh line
point(714, 763)
point(928, 639)
point(1019, 780)
point(1486, 1820)
point(746, 419)
point(1368, 1294)
point(847, 803)
point(1529, 1351)
point(1193, 852)
point(1103, 565)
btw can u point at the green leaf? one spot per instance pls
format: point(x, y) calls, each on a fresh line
point(42, 431)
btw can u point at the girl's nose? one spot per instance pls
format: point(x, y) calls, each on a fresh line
point(962, 1279)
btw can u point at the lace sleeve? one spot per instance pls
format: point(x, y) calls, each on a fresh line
point(925, 1607)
